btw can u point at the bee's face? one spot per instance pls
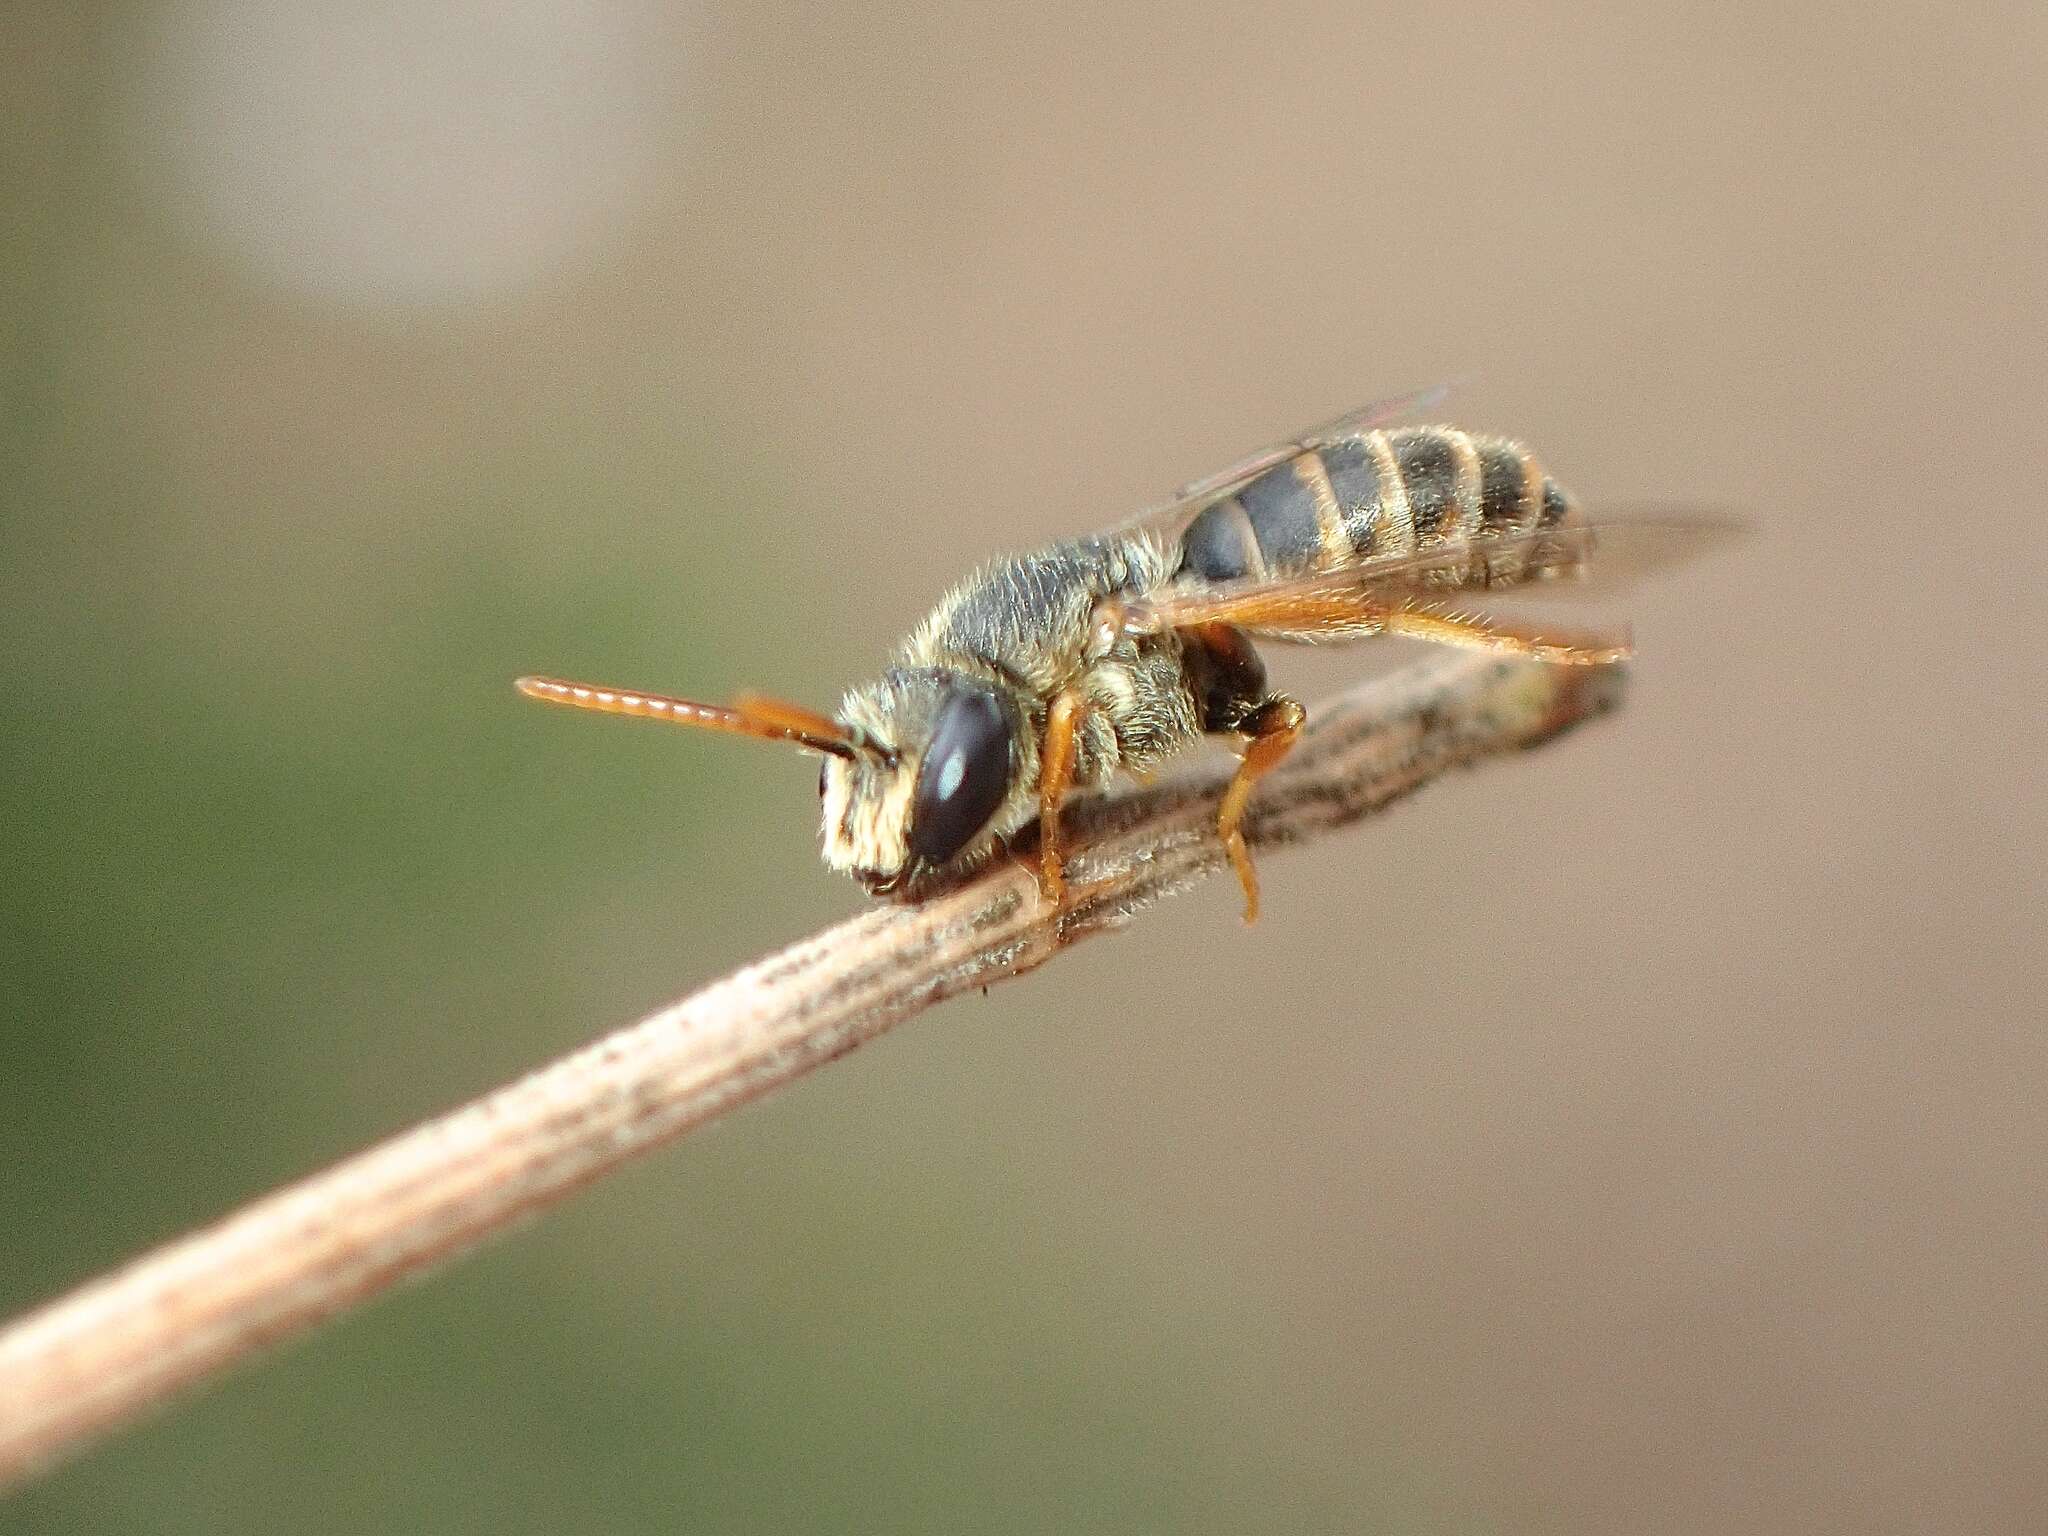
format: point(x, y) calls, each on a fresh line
point(936, 783)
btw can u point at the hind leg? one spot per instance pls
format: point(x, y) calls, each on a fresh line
point(1273, 727)
point(1231, 696)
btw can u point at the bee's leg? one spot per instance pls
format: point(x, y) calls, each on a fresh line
point(1484, 632)
point(1055, 777)
point(1273, 728)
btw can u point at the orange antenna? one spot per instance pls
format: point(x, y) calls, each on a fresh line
point(749, 715)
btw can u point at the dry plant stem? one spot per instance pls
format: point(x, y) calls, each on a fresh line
point(96, 1358)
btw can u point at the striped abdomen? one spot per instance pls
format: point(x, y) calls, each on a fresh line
point(1379, 493)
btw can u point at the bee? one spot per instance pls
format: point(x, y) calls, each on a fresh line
point(1057, 670)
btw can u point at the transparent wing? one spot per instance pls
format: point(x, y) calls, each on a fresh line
point(1199, 493)
point(1364, 419)
point(1356, 601)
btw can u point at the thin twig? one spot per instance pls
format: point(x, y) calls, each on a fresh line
point(100, 1356)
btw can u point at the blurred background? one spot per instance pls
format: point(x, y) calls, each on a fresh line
point(1645, 1134)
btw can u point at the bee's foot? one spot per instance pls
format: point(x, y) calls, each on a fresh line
point(1052, 883)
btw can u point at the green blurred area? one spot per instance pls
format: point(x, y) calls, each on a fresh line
point(289, 866)
point(278, 891)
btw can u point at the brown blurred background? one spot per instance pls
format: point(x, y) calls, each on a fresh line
point(1646, 1135)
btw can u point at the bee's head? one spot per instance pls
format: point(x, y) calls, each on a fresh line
point(939, 775)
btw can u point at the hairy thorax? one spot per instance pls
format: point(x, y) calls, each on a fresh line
point(1025, 621)
point(1019, 627)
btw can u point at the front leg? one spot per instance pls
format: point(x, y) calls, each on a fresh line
point(1055, 777)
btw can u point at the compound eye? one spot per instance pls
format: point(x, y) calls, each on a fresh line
point(964, 776)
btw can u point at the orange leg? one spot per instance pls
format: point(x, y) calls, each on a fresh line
point(1484, 632)
point(1055, 777)
point(1273, 727)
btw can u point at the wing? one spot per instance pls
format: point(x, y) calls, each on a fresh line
point(1197, 494)
point(1350, 424)
point(1402, 593)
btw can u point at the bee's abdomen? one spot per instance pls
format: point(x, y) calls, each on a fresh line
point(1379, 493)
